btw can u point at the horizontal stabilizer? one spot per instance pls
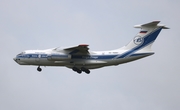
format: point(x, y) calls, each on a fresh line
point(152, 24)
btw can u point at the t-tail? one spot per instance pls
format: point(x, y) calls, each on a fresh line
point(143, 41)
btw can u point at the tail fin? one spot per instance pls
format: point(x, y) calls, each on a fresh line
point(147, 35)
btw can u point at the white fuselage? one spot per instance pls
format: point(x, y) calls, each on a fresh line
point(95, 59)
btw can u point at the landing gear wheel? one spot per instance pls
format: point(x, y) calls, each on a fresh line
point(85, 70)
point(39, 69)
point(77, 70)
point(74, 69)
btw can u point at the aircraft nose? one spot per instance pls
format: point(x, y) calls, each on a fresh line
point(14, 59)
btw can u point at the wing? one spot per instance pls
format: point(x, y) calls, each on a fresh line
point(80, 49)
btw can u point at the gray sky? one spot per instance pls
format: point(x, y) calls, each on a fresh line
point(151, 83)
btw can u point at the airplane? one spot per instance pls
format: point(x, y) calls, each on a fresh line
point(80, 59)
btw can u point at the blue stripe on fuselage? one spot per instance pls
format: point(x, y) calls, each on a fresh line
point(93, 56)
point(41, 55)
point(32, 56)
point(90, 57)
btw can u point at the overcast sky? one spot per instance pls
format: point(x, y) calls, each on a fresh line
point(151, 83)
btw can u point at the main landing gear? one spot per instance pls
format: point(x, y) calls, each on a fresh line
point(74, 69)
point(80, 70)
point(39, 69)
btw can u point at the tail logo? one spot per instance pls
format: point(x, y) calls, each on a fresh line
point(138, 40)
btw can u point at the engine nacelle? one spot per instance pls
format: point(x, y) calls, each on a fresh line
point(58, 57)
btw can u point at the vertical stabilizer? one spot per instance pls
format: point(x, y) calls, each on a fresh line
point(147, 35)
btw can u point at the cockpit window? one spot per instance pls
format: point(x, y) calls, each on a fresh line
point(21, 53)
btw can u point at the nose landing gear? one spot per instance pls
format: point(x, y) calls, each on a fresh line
point(39, 69)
